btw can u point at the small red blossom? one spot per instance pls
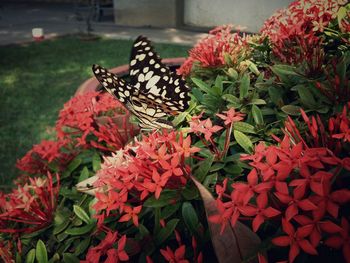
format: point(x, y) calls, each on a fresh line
point(131, 213)
point(231, 116)
point(175, 257)
point(296, 240)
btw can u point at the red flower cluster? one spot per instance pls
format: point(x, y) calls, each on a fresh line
point(29, 207)
point(85, 115)
point(142, 169)
point(38, 159)
point(211, 51)
point(294, 32)
point(291, 183)
point(109, 248)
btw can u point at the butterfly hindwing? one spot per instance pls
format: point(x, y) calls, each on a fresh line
point(151, 76)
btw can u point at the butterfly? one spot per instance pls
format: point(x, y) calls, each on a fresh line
point(153, 92)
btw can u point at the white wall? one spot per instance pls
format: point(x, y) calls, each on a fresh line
point(248, 13)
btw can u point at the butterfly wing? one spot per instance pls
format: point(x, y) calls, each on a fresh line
point(151, 76)
point(144, 107)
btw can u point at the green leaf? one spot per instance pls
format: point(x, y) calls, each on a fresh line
point(244, 127)
point(253, 68)
point(165, 232)
point(189, 192)
point(30, 256)
point(232, 73)
point(276, 95)
point(244, 86)
point(180, 118)
point(210, 180)
point(55, 258)
point(190, 217)
point(202, 85)
point(81, 214)
point(197, 94)
point(286, 73)
point(235, 102)
point(74, 164)
point(84, 174)
point(96, 162)
point(291, 110)
point(257, 102)
point(243, 140)
point(166, 198)
point(70, 258)
point(62, 226)
point(306, 97)
point(82, 246)
point(169, 210)
point(203, 168)
point(40, 252)
point(76, 231)
point(257, 115)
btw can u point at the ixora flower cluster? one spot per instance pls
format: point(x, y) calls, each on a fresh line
point(260, 162)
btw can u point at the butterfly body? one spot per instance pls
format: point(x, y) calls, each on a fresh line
point(153, 93)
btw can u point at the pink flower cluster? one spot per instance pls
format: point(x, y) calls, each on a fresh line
point(140, 170)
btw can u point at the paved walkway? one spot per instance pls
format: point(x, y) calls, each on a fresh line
point(18, 19)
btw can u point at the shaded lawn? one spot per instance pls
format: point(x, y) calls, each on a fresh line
point(38, 78)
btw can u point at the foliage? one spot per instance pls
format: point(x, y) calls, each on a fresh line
point(267, 134)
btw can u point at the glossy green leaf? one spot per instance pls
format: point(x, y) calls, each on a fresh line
point(244, 86)
point(76, 231)
point(257, 102)
point(257, 115)
point(30, 256)
point(40, 252)
point(80, 212)
point(165, 232)
point(190, 217)
point(244, 127)
point(234, 101)
point(243, 140)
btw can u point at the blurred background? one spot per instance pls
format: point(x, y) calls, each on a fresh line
point(47, 48)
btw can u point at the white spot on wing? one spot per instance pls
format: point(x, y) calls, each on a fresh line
point(133, 62)
point(153, 81)
point(149, 75)
point(141, 78)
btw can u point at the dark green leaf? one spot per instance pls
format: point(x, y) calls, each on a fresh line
point(210, 180)
point(75, 231)
point(59, 228)
point(189, 192)
point(257, 102)
point(166, 198)
point(306, 96)
point(190, 217)
point(235, 102)
point(74, 164)
point(40, 252)
point(84, 174)
point(203, 168)
point(169, 210)
point(82, 246)
point(81, 214)
point(165, 232)
point(70, 258)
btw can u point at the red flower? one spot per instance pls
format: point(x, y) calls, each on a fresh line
point(185, 148)
point(33, 205)
point(177, 257)
point(131, 213)
point(248, 190)
point(158, 183)
point(294, 202)
point(263, 211)
point(172, 167)
point(231, 116)
point(295, 239)
point(106, 247)
point(342, 240)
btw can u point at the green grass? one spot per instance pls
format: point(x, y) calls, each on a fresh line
point(38, 78)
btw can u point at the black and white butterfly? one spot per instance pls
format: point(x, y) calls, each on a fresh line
point(154, 91)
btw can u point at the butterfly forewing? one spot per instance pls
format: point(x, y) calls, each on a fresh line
point(152, 77)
